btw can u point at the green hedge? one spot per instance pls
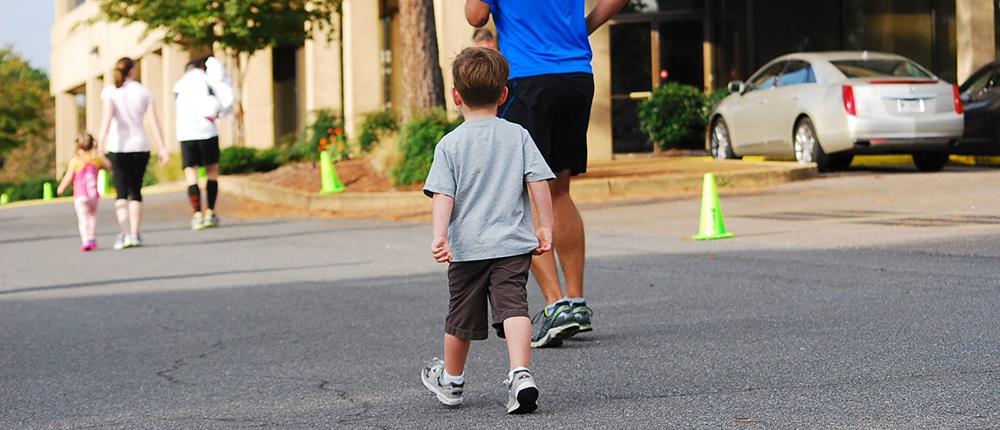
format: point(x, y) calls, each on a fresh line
point(420, 135)
point(242, 159)
point(676, 115)
point(373, 124)
point(27, 189)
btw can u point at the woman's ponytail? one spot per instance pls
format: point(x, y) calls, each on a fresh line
point(122, 69)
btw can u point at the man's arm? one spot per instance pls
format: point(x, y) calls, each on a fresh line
point(477, 13)
point(602, 13)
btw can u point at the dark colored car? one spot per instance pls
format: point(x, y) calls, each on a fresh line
point(980, 96)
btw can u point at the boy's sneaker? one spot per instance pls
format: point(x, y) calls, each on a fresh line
point(582, 313)
point(210, 219)
point(522, 393)
point(121, 242)
point(197, 221)
point(556, 324)
point(448, 394)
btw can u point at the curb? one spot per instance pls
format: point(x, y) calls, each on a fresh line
point(584, 190)
point(152, 190)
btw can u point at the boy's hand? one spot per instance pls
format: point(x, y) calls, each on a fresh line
point(441, 250)
point(544, 235)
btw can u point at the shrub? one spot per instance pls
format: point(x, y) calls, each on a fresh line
point(711, 101)
point(673, 115)
point(420, 135)
point(373, 124)
point(326, 133)
point(241, 159)
point(27, 188)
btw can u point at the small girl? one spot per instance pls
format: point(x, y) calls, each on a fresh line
point(82, 172)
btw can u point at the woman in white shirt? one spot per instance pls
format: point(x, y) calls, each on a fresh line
point(126, 105)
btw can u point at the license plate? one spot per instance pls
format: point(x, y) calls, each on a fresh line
point(911, 106)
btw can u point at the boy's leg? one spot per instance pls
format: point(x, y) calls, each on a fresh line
point(456, 352)
point(518, 332)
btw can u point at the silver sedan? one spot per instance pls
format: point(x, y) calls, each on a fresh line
point(824, 108)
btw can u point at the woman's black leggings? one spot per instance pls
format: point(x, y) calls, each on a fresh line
point(128, 168)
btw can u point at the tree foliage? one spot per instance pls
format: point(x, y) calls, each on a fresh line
point(25, 103)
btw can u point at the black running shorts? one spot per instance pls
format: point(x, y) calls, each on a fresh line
point(127, 171)
point(472, 284)
point(555, 109)
point(198, 153)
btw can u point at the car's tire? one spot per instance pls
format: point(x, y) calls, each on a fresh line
point(807, 147)
point(930, 161)
point(841, 161)
point(719, 142)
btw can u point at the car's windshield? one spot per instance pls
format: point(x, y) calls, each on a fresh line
point(880, 68)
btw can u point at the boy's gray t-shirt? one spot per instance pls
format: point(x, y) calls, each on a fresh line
point(485, 165)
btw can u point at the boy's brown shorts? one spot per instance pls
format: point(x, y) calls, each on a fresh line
point(500, 281)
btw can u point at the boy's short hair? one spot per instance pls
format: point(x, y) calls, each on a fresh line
point(480, 76)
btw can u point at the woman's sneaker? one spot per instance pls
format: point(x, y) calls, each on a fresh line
point(582, 313)
point(554, 325)
point(522, 393)
point(121, 242)
point(447, 393)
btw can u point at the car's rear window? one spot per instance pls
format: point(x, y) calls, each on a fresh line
point(880, 69)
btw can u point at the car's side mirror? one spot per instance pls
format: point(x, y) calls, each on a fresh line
point(736, 87)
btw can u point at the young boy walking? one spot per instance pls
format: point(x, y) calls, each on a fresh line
point(480, 179)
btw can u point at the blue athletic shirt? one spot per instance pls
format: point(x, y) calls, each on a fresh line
point(543, 37)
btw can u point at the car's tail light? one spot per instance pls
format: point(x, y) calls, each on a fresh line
point(958, 99)
point(849, 104)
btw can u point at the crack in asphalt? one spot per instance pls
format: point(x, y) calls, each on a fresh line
point(168, 373)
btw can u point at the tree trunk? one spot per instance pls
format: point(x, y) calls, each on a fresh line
point(422, 81)
point(239, 75)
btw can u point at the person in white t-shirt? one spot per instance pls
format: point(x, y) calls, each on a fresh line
point(127, 105)
point(201, 98)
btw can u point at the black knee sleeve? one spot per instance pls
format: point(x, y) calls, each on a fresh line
point(212, 190)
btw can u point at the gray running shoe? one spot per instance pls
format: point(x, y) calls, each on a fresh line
point(211, 220)
point(197, 221)
point(448, 394)
point(522, 393)
point(121, 242)
point(553, 326)
point(582, 313)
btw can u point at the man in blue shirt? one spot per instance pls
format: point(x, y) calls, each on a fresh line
point(551, 89)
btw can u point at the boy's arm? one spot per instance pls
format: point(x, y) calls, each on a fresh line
point(602, 13)
point(542, 198)
point(442, 207)
point(477, 13)
point(66, 180)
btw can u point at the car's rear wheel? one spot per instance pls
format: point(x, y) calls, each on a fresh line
point(930, 161)
point(841, 161)
point(719, 142)
point(807, 147)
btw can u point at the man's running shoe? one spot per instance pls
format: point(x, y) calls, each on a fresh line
point(582, 313)
point(211, 220)
point(522, 393)
point(447, 393)
point(197, 221)
point(554, 324)
point(121, 242)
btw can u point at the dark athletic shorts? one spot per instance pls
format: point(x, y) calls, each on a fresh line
point(198, 153)
point(127, 170)
point(471, 284)
point(555, 109)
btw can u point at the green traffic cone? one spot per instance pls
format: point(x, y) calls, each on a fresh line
point(47, 191)
point(712, 225)
point(328, 175)
point(4, 199)
point(102, 182)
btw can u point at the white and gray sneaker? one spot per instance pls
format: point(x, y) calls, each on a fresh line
point(522, 393)
point(447, 393)
point(121, 242)
point(133, 241)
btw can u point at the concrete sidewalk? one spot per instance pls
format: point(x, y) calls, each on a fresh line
point(631, 179)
